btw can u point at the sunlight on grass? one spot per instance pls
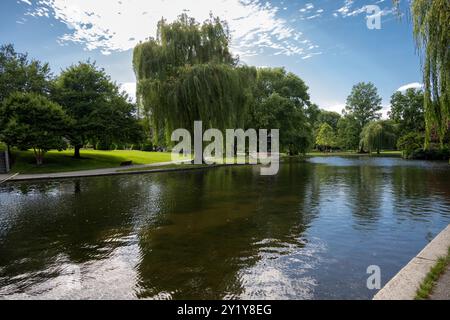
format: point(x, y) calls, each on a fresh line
point(56, 161)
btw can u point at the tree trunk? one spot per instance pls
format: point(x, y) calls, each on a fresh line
point(77, 152)
point(39, 155)
point(8, 150)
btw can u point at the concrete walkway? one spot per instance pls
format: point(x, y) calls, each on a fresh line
point(405, 284)
point(442, 289)
point(86, 173)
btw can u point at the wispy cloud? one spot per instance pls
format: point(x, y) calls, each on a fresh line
point(112, 25)
point(349, 9)
point(413, 85)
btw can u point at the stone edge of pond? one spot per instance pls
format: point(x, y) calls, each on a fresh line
point(404, 285)
point(107, 172)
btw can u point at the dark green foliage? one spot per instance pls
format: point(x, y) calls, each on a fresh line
point(364, 103)
point(279, 102)
point(329, 117)
point(312, 113)
point(407, 111)
point(100, 111)
point(31, 121)
point(348, 133)
point(147, 147)
point(18, 73)
point(433, 152)
point(409, 143)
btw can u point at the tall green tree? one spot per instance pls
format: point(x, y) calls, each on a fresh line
point(348, 133)
point(95, 103)
point(19, 73)
point(313, 112)
point(326, 137)
point(378, 135)
point(31, 121)
point(364, 104)
point(280, 101)
point(407, 111)
point(330, 117)
point(188, 73)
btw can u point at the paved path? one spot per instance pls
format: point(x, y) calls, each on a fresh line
point(442, 289)
point(84, 173)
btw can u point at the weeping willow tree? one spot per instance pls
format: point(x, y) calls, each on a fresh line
point(431, 23)
point(187, 74)
point(378, 135)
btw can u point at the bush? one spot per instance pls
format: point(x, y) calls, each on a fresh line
point(431, 154)
point(409, 143)
point(147, 147)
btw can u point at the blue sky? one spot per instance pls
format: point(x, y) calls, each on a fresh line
point(326, 42)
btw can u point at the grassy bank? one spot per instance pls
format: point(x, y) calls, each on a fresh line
point(56, 161)
point(426, 288)
point(354, 154)
point(63, 161)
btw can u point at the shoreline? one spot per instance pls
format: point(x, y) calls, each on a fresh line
point(16, 177)
point(404, 285)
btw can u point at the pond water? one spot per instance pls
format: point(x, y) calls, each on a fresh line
point(309, 232)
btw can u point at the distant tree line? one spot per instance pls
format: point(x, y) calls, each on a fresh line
point(80, 107)
point(187, 73)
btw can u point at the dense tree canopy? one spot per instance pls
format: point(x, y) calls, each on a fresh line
point(407, 111)
point(279, 102)
point(348, 133)
point(378, 135)
point(99, 110)
point(363, 104)
point(187, 73)
point(329, 117)
point(326, 137)
point(31, 121)
point(18, 73)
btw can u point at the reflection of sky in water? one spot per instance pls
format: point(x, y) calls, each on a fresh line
point(309, 232)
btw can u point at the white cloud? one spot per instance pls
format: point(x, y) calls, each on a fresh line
point(413, 85)
point(116, 25)
point(130, 88)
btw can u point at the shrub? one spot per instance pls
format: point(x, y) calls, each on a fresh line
point(409, 143)
point(147, 147)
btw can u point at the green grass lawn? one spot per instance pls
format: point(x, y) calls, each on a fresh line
point(56, 161)
point(353, 154)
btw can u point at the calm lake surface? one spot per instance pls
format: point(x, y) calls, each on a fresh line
point(308, 233)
